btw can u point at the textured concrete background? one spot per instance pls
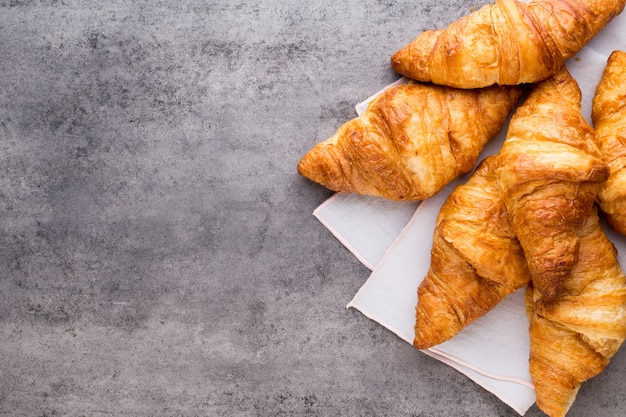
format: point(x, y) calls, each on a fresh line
point(158, 256)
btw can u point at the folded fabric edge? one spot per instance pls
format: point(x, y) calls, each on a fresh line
point(440, 354)
point(362, 106)
point(476, 375)
point(471, 372)
point(379, 320)
point(491, 375)
point(376, 318)
point(339, 236)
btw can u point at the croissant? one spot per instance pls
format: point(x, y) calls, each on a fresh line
point(573, 336)
point(608, 115)
point(476, 260)
point(411, 141)
point(509, 42)
point(549, 173)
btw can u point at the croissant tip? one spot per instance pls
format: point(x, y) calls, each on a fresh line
point(396, 62)
point(301, 167)
point(420, 341)
point(419, 344)
point(319, 166)
point(307, 167)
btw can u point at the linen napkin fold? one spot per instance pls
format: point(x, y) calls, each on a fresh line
point(394, 241)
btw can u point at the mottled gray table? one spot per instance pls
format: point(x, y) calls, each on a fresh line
point(158, 256)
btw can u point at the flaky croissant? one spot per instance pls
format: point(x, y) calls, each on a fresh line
point(411, 141)
point(476, 260)
point(609, 118)
point(573, 336)
point(549, 172)
point(509, 42)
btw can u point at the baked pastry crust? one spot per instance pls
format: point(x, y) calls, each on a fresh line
point(508, 42)
point(609, 118)
point(476, 260)
point(573, 336)
point(411, 141)
point(549, 171)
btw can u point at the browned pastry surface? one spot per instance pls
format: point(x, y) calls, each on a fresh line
point(549, 171)
point(476, 260)
point(573, 336)
point(509, 42)
point(412, 140)
point(609, 119)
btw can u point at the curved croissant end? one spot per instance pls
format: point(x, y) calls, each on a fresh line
point(412, 140)
point(509, 42)
point(476, 260)
point(609, 118)
point(549, 171)
point(574, 336)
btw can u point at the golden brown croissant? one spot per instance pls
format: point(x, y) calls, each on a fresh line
point(549, 172)
point(476, 260)
point(509, 42)
point(412, 140)
point(609, 117)
point(573, 336)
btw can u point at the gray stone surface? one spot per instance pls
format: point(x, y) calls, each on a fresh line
point(158, 256)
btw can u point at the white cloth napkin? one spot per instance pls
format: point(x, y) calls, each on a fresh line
point(394, 241)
